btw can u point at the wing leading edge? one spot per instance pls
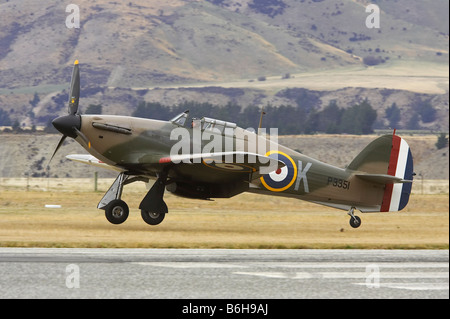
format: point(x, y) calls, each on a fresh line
point(224, 165)
point(92, 160)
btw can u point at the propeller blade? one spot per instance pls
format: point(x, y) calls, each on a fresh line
point(74, 94)
point(83, 137)
point(61, 141)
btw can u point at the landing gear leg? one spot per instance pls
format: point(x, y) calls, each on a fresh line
point(355, 221)
point(153, 208)
point(116, 210)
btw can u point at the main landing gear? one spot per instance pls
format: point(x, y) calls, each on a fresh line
point(355, 221)
point(153, 208)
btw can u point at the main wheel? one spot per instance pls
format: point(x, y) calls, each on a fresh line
point(355, 221)
point(117, 211)
point(152, 218)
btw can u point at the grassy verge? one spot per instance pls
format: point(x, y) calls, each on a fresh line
point(245, 221)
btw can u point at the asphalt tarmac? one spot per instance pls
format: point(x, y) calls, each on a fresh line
point(223, 274)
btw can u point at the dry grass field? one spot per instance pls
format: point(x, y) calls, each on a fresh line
point(423, 77)
point(245, 221)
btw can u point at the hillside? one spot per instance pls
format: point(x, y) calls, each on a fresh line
point(127, 49)
point(148, 43)
point(124, 101)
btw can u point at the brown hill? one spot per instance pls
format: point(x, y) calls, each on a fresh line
point(147, 43)
point(318, 45)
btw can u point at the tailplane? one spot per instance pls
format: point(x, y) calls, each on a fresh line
point(387, 160)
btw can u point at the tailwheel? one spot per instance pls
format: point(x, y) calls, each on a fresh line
point(116, 211)
point(152, 218)
point(355, 221)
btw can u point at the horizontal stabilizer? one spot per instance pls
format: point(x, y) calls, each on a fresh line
point(382, 178)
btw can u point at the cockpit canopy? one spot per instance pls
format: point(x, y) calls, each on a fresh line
point(205, 123)
point(180, 119)
point(210, 124)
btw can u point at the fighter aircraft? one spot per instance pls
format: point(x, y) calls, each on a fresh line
point(228, 160)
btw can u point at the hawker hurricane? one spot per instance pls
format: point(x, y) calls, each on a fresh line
point(208, 158)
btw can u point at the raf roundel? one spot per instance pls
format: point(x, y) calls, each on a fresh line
point(282, 178)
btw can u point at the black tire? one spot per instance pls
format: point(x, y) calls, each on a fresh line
point(117, 211)
point(355, 221)
point(152, 218)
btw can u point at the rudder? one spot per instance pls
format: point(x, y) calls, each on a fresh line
point(391, 155)
point(396, 196)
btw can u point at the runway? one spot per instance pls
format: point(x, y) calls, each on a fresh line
point(222, 273)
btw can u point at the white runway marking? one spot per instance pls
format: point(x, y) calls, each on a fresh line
point(347, 275)
point(188, 264)
point(361, 265)
point(418, 271)
point(412, 285)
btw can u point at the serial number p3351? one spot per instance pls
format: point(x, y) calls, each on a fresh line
point(338, 182)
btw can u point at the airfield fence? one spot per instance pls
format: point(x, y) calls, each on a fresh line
point(420, 186)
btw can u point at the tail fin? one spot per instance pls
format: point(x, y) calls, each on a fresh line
point(388, 154)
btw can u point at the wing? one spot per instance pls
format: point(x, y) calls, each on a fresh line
point(232, 164)
point(214, 175)
point(92, 160)
point(205, 175)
